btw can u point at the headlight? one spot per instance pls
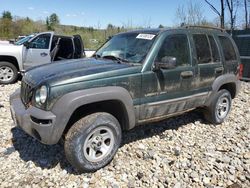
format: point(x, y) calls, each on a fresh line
point(41, 95)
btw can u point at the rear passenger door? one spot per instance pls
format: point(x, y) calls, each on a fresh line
point(208, 60)
point(78, 47)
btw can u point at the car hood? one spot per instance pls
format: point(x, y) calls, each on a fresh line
point(9, 47)
point(72, 71)
point(6, 44)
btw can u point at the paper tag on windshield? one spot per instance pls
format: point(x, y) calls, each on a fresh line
point(145, 36)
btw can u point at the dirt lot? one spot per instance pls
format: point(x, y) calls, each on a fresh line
point(184, 151)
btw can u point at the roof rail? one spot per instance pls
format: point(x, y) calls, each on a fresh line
point(204, 27)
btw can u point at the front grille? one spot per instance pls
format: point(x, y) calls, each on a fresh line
point(26, 93)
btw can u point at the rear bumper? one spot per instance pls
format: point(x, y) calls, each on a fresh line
point(238, 86)
point(36, 122)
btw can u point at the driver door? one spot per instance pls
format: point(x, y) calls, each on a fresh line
point(37, 51)
point(169, 90)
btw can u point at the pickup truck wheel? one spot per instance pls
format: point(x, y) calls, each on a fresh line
point(8, 73)
point(219, 108)
point(92, 142)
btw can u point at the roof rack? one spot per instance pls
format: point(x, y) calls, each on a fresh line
point(204, 27)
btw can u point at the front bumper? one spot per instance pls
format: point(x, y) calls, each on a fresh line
point(36, 122)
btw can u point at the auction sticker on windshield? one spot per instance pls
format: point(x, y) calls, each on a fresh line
point(145, 36)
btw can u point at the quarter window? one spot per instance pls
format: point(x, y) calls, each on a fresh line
point(175, 46)
point(228, 49)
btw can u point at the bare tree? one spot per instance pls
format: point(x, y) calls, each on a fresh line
point(181, 14)
point(232, 6)
point(246, 13)
point(191, 14)
point(220, 13)
point(147, 23)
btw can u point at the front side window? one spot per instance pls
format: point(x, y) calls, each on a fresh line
point(40, 42)
point(228, 49)
point(202, 48)
point(175, 47)
point(131, 47)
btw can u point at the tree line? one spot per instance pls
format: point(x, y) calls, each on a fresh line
point(12, 26)
point(232, 6)
point(187, 14)
point(192, 14)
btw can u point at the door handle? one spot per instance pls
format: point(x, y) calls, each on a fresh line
point(187, 74)
point(43, 54)
point(219, 70)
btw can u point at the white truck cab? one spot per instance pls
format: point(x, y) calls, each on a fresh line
point(43, 48)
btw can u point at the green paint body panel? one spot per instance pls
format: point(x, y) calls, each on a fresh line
point(145, 85)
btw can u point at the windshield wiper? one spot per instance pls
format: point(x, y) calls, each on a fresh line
point(118, 59)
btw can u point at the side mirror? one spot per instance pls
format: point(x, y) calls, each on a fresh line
point(109, 37)
point(167, 62)
point(27, 44)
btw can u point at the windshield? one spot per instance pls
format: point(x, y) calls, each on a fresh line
point(131, 47)
point(20, 42)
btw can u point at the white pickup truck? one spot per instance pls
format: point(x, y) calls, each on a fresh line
point(39, 49)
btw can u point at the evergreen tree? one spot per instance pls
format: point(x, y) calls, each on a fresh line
point(7, 15)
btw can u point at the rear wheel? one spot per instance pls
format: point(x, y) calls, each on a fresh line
point(8, 73)
point(92, 142)
point(219, 108)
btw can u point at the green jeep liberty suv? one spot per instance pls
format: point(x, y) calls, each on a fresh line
point(134, 78)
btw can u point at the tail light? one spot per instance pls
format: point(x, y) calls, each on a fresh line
point(240, 71)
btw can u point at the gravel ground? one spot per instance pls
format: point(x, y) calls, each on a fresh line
point(184, 151)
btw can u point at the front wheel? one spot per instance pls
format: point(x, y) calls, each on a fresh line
point(8, 73)
point(219, 108)
point(92, 142)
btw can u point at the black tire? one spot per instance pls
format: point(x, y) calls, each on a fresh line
point(3, 67)
point(80, 133)
point(212, 113)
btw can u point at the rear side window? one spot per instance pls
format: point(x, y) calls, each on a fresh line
point(202, 48)
point(228, 49)
point(214, 49)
